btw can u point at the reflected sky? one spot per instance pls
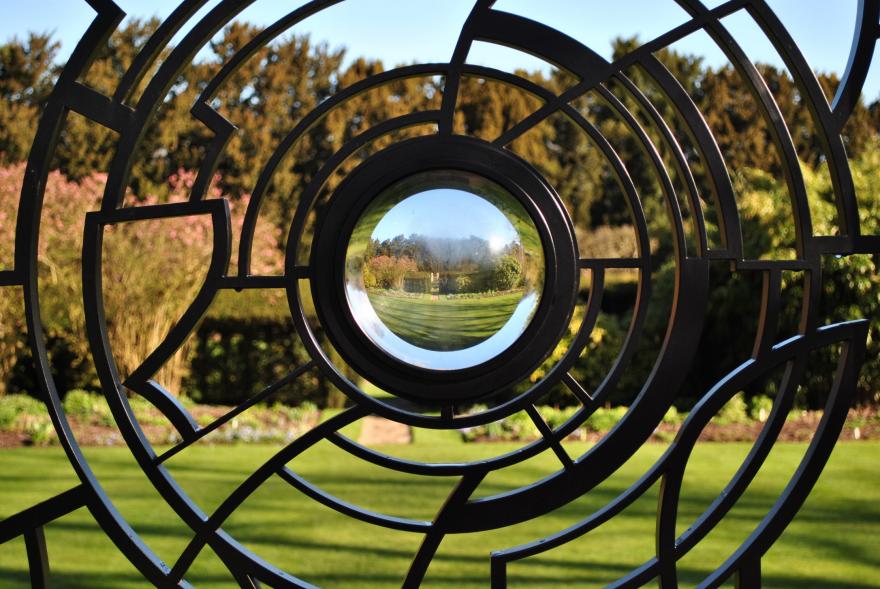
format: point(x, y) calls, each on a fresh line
point(448, 213)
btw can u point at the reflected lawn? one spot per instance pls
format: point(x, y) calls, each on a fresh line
point(441, 323)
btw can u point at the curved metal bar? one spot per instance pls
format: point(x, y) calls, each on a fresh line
point(601, 74)
point(313, 188)
point(668, 549)
point(153, 48)
point(223, 131)
point(169, 405)
point(33, 190)
point(827, 131)
point(262, 39)
point(232, 414)
point(253, 209)
point(732, 492)
point(710, 153)
point(453, 77)
point(207, 533)
point(672, 204)
point(849, 333)
point(182, 55)
point(537, 39)
point(345, 508)
point(776, 124)
point(222, 128)
point(654, 473)
point(791, 351)
point(596, 519)
point(800, 485)
point(865, 36)
point(681, 164)
point(221, 252)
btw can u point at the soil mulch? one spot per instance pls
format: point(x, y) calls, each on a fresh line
point(13, 439)
point(861, 424)
point(264, 426)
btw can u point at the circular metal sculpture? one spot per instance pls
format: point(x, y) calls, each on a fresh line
point(522, 224)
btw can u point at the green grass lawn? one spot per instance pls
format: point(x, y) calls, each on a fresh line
point(832, 543)
point(444, 323)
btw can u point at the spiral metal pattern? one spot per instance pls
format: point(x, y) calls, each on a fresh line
point(577, 475)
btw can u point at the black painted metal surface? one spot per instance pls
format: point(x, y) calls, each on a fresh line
point(439, 393)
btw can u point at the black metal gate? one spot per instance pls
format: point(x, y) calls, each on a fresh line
point(430, 398)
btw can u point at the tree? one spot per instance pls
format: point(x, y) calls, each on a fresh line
point(27, 72)
point(507, 273)
point(388, 272)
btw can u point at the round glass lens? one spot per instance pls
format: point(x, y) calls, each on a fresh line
point(444, 270)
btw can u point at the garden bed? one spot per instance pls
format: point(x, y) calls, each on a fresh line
point(737, 422)
point(25, 422)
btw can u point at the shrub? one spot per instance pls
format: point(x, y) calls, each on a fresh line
point(507, 273)
point(146, 413)
point(760, 407)
point(13, 406)
point(87, 407)
point(152, 271)
point(555, 417)
point(518, 426)
point(39, 429)
point(673, 416)
point(734, 411)
point(605, 418)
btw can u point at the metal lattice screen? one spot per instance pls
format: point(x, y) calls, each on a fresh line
point(679, 150)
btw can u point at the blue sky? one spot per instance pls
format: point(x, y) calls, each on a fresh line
point(449, 213)
point(823, 28)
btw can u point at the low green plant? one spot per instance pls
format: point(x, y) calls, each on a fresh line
point(87, 407)
point(38, 428)
point(13, 406)
point(734, 411)
point(760, 407)
point(518, 426)
point(673, 416)
point(145, 412)
point(555, 417)
point(605, 418)
point(305, 412)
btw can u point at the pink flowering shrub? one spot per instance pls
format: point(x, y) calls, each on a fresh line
point(152, 270)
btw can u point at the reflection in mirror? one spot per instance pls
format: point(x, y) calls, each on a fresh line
point(444, 270)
